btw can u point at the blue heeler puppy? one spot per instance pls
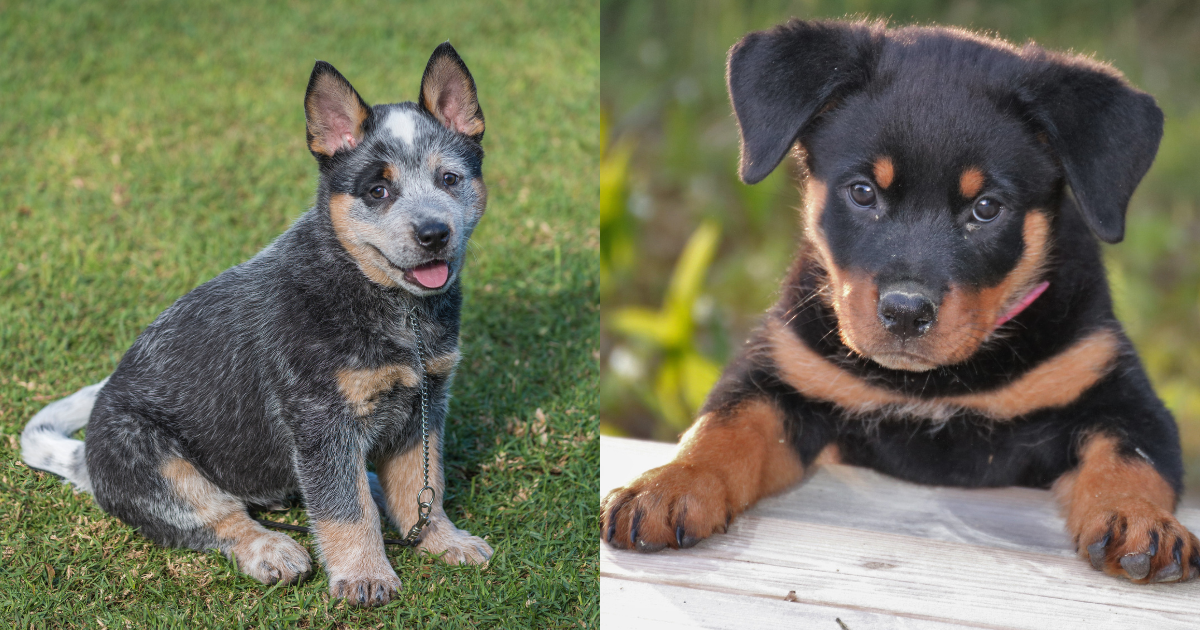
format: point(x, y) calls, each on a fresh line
point(286, 374)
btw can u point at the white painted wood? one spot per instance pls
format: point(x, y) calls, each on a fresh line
point(628, 605)
point(852, 539)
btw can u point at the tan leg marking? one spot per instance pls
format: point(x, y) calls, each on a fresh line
point(353, 235)
point(443, 364)
point(970, 182)
point(402, 477)
point(1056, 382)
point(885, 171)
point(724, 464)
point(361, 387)
point(266, 556)
point(353, 554)
point(1130, 503)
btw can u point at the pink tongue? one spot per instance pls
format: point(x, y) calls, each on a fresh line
point(432, 275)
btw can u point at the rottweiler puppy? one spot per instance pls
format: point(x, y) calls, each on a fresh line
point(947, 320)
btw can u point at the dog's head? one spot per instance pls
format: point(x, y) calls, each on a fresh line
point(404, 181)
point(936, 161)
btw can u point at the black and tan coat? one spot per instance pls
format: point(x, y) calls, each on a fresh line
point(947, 319)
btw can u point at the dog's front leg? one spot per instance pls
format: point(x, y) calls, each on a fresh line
point(1120, 513)
point(728, 460)
point(401, 475)
point(333, 476)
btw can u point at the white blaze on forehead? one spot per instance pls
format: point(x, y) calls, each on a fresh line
point(402, 125)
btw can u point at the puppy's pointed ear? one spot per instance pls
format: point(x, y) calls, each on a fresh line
point(1104, 131)
point(334, 112)
point(448, 92)
point(779, 81)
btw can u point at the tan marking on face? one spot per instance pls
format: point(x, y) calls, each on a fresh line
point(1107, 490)
point(391, 172)
point(1056, 382)
point(402, 476)
point(481, 196)
point(362, 387)
point(433, 161)
point(965, 318)
point(815, 193)
point(443, 364)
point(352, 234)
point(970, 182)
point(885, 171)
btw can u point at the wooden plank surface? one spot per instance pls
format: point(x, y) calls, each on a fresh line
point(895, 554)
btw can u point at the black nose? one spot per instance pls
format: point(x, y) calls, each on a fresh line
point(433, 235)
point(906, 314)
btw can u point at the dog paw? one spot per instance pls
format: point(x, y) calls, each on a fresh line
point(676, 505)
point(365, 589)
point(1142, 542)
point(454, 545)
point(272, 557)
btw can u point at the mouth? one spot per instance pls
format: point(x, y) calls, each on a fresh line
point(903, 361)
point(431, 275)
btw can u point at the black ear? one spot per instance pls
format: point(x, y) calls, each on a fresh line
point(334, 112)
point(780, 79)
point(448, 92)
point(1104, 131)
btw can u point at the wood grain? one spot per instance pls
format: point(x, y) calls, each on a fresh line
point(851, 540)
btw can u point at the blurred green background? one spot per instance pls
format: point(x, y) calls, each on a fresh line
point(691, 257)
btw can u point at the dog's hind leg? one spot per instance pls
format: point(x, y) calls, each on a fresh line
point(139, 477)
point(401, 476)
point(266, 556)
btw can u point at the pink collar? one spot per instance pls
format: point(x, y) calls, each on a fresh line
point(1023, 304)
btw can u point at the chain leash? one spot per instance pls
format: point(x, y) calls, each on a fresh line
point(424, 508)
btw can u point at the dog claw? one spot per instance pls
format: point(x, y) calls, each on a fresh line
point(1137, 565)
point(1169, 573)
point(1096, 552)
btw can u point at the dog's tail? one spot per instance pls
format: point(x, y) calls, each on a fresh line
point(46, 442)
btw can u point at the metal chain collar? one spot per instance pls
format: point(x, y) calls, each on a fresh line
point(424, 508)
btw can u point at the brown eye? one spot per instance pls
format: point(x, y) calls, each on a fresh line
point(986, 209)
point(450, 179)
point(863, 195)
point(379, 192)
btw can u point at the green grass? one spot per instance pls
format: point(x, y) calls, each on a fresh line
point(145, 147)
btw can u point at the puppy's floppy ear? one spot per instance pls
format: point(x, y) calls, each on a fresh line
point(1104, 131)
point(448, 92)
point(334, 112)
point(780, 79)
